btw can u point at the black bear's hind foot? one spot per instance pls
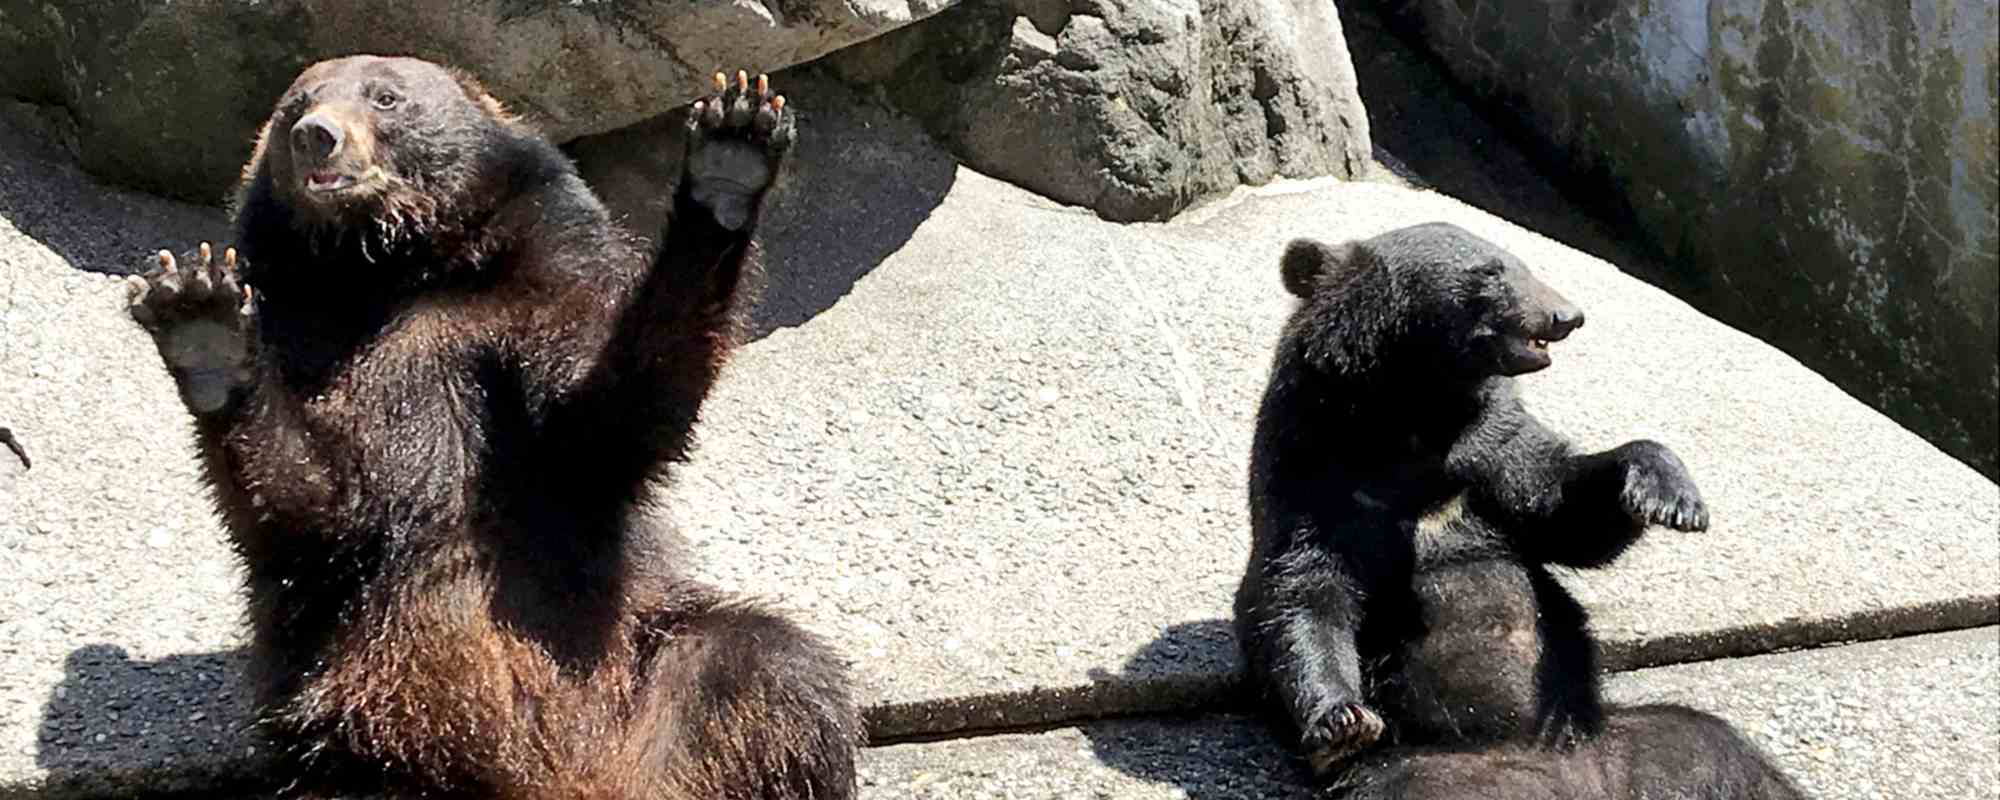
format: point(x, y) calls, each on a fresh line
point(1339, 734)
point(737, 140)
point(196, 313)
point(1658, 489)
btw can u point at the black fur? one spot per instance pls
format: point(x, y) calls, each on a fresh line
point(431, 435)
point(1405, 506)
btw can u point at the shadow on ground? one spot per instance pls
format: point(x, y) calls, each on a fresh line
point(174, 727)
point(94, 227)
point(1214, 748)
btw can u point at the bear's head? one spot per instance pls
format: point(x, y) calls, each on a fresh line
point(370, 139)
point(1422, 299)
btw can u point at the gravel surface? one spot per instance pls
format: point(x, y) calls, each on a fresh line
point(1001, 466)
point(1906, 719)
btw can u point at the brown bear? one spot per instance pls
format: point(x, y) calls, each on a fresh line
point(432, 384)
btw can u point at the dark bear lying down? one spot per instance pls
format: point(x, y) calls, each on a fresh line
point(1405, 507)
point(430, 397)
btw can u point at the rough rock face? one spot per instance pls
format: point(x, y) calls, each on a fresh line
point(1133, 109)
point(1825, 172)
point(167, 95)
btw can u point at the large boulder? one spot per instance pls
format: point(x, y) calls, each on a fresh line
point(1823, 173)
point(1132, 109)
point(167, 95)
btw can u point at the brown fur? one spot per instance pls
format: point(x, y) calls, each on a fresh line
point(464, 379)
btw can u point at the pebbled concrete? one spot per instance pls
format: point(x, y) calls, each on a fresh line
point(997, 456)
point(1908, 718)
point(1005, 470)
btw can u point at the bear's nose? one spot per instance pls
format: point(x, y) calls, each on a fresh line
point(316, 137)
point(1564, 320)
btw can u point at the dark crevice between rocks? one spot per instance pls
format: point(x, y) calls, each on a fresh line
point(1438, 138)
point(1478, 140)
point(1188, 671)
point(1110, 696)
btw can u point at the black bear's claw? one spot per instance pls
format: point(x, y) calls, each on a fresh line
point(1338, 733)
point(198, 316)
point(736, 144)
point(1659, 491)
point(743, 108)
point(169, 293)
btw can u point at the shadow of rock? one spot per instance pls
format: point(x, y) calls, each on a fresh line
point(179, 726)
point(44, 194)
point(861, 180)
point(1214, 748)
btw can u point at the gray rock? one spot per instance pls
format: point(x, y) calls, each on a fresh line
point(1823, 173)
point(1134, 110)
point(167, 96)
point(1908, 718)
point(1010, 482)
point(1912, 717)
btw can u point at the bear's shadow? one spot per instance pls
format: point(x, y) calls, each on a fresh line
point(1210, 745)
point(178, 726)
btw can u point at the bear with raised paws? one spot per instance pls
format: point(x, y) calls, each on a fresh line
point(433, 384)
point(1397, 614)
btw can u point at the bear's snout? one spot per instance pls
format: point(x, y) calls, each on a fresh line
point(317, 137)
point(1564, 320)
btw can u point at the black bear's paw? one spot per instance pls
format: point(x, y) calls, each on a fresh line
point(737, 140)
point(1338, 733)
point(198, 315)
point(1658, 489)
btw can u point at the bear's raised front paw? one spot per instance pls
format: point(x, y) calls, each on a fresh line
point(1658, 489)
point(737, 140)
point(1339, 732)
point(197, 314)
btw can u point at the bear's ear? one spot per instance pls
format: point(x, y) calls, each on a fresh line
point(485, 100)
point(1305, 260)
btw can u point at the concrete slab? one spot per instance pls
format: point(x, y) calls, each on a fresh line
point(996, 452)
point(1006, 470)
point(1907, 718)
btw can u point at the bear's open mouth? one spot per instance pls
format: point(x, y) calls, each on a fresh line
point(1523, 352)
point(326, 180)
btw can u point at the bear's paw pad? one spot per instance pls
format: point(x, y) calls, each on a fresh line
point(196, 313)
point(737, 138)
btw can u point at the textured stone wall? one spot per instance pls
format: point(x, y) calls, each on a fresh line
point(1134, 109)
point(1821, 174)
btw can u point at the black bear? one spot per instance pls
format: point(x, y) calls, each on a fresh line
point(432, 383)
point(1404, 509)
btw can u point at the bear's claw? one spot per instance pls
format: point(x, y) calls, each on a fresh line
point(197, 316)
point(1659, 491)
point(1341, 732)
point(737, 139)
point(745, 108)
point(207, 288)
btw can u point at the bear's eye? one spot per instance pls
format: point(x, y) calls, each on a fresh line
point(386, 100)
point(1491, 269)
